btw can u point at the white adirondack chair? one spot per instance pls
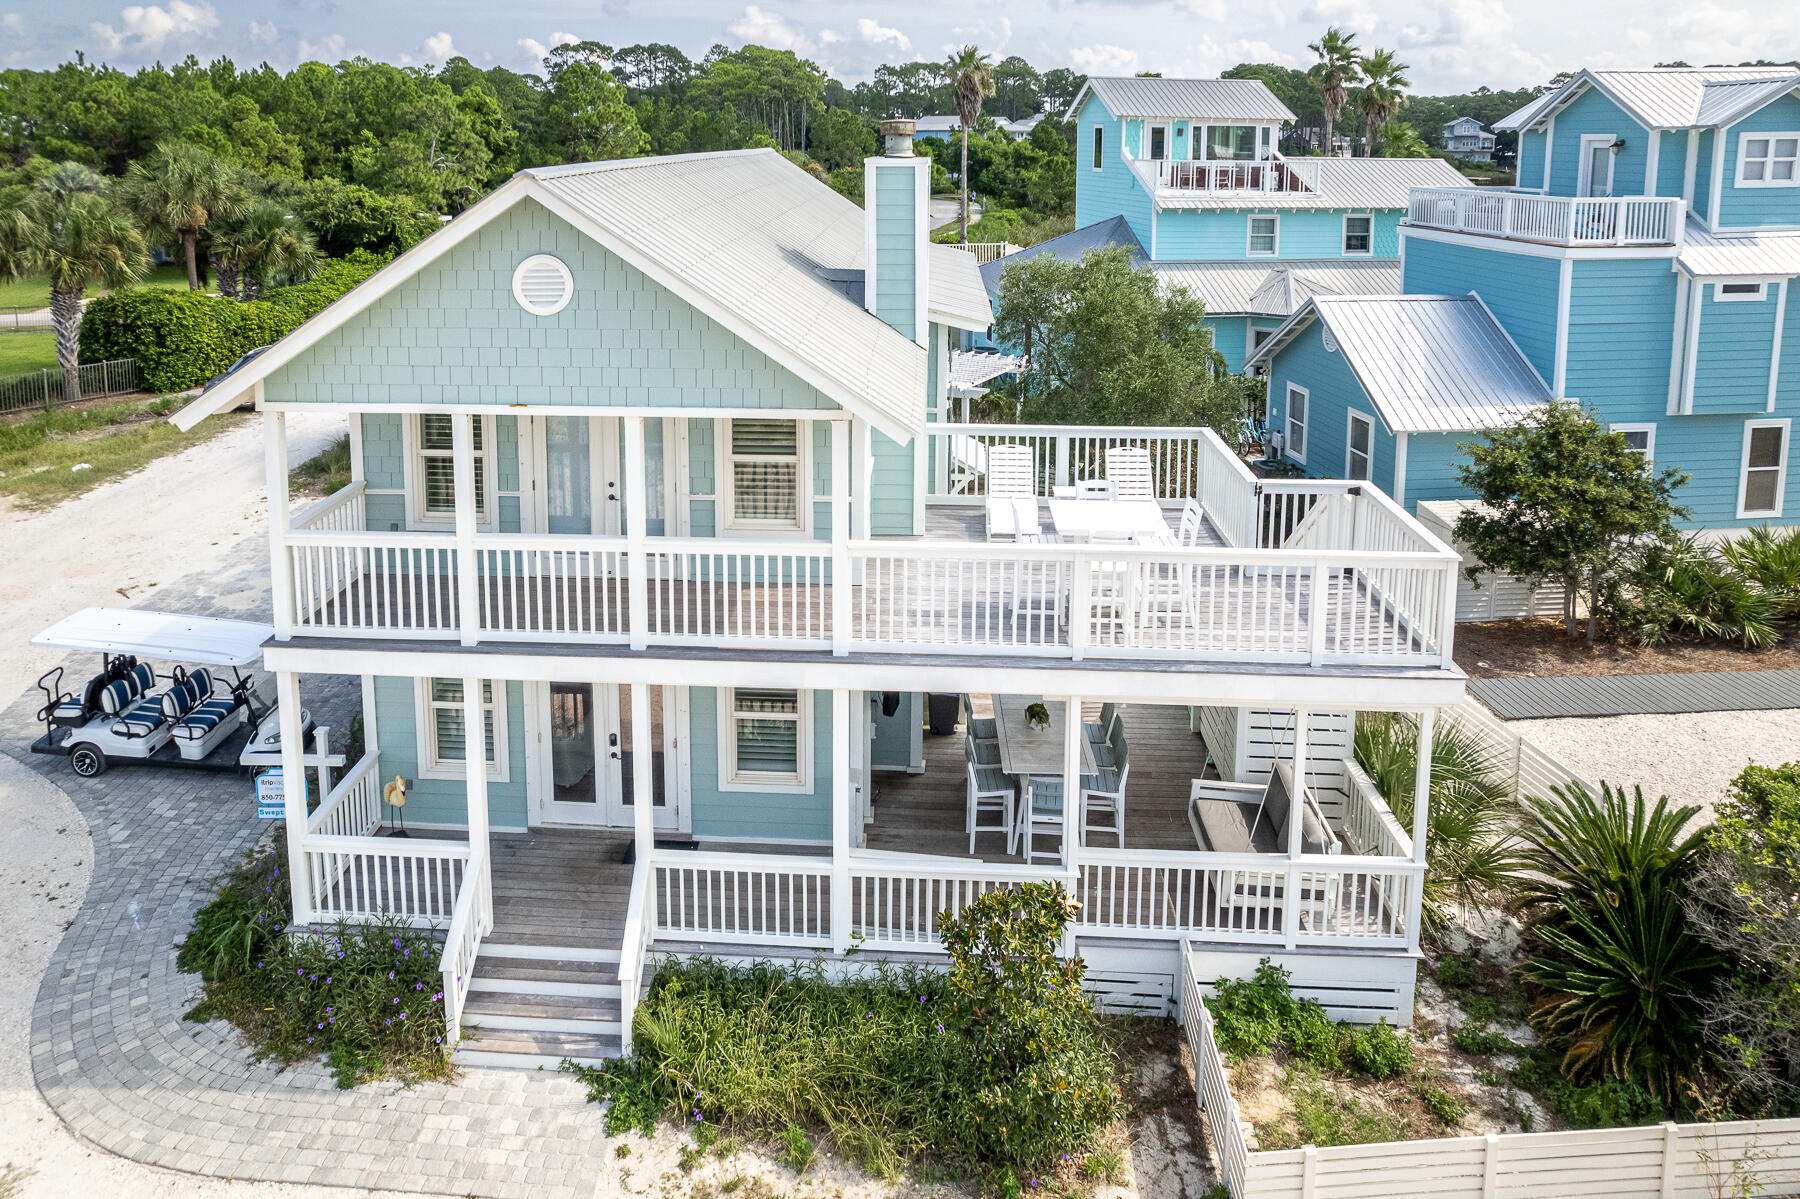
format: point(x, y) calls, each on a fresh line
point(1128, 470)
point(1012, 505)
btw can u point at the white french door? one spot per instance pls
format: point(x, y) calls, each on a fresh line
point(578, 480)
point(588, 739)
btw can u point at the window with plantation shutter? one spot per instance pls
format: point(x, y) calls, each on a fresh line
point(766, 472)
point(766, 738)
point(435, 483)
point(444, 733)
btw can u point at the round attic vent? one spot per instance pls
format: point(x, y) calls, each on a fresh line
point(542, 285)
point(1330, 342)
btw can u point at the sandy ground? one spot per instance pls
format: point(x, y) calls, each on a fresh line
point(116, 544)
point(1691, 758)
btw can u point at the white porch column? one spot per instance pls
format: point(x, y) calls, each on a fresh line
point(1290, 905)
point(293, 794)
point(281, 566)
point(840, 537)
point(468, 575)
point(643, 774)
point(637, 526)
point(1422, 783)
point(841, 833)
point(1073, 816)
point(475, 770)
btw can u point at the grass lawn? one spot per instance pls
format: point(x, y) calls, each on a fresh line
point(22, 352)
point(114, 440)
point(33, 291)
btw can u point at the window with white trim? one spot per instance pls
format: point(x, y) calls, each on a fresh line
point(1359, 234)
point(1739, 293)
point(1099, 145)
point(433, 489)
point(1359, 446)
point(1230, 142)
point(1768, 160)
point(1265, 236)
point(1763, 483)
point(765, 475)
point(765, 739)
point(1159, 142)
point(1298, 399)
point(1641, 438)
point(443, 731)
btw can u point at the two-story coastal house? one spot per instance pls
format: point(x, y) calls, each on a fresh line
point(1465, 138)
point(1644, 267)
point(659, 519)
point(1189, 174)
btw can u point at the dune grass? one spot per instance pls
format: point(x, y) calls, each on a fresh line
point(37, 453)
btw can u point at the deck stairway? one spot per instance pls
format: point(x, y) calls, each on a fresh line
point(530, 1006)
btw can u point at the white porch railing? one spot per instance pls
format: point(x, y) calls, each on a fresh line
point(1210, 1079)
point(987, 251)
point(1558, 220)
point(353, 808)
point(633, 950)
point(1369, 825)
point(1066, 454)
point(470, 921)
point(718, 592)
point(548, 588)
point(361, 878)
point(765, 899)
point(897, 904)
point(1240, 175)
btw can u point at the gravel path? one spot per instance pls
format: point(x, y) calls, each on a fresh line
point(1690, 758)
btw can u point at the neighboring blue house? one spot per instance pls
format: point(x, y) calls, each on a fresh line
point(940, 126)
point(1645, 270)
point(1465, 138)
point(1190, 168)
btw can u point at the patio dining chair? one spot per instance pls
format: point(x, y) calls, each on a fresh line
point(1012, 505)
point(1192, 530)
point(1104, 794)
point(991, 794)
point(1128, 469)
point(1041, 814)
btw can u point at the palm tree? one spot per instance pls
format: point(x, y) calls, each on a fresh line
point(66, 227)
point(1383, 93)
point(1400, 140)
point(971, 75)
point(182, 189)
point(260, 244)
point(1338, 67)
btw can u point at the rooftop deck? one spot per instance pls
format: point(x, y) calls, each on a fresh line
point(1518, 214)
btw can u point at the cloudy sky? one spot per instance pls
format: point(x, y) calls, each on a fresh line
point(1452, 45)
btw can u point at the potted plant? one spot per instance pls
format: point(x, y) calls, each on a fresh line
point(1038, 716)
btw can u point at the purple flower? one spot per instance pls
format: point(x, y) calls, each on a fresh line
point(309, 1040)
point(321, 1025)
point(390, 1021)
point(390, 974)
point(396, 999)
point(297, 973)
point(868, 1015)
point(940, 1028)
point(437, 1040)
point(403, 1015)
point(698, 1118)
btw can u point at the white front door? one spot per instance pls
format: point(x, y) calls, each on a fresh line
point(588, 740)
point(578, 481)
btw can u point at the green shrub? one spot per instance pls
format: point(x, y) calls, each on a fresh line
point(1379, 1051)
point(1688, 588)
point(365, 997)
point(183, 338)
point(1441, 1103)
point(1771, 562)
point(1257, 1014)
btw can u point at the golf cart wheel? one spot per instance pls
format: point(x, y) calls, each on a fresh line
point(89, 761)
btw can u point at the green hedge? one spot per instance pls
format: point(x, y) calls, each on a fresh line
point(183, 338)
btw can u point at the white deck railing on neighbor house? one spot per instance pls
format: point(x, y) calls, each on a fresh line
point(1297, 571)
point(1558, 220)
point(987, 251)
point(1214, 175)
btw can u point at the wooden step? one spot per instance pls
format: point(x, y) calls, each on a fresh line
point(515, 1003)
point(535, 1049)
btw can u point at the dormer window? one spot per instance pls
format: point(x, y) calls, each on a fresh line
point(1769, 160)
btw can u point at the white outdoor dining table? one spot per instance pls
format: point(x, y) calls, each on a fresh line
point(1079, 520)
point(1025, 750)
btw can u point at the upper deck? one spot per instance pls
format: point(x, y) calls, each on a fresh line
point(1295, 572)
point(1525, 214)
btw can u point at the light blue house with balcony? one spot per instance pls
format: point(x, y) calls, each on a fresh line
point(1192, 169)
point(1645, 267)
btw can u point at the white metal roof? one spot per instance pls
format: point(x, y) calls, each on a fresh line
point(1429, 364)
point(937, 123)
point(1194, 99)
point(1267, 289)
point(1703, 252)
point(165, 636)
point(747, 237)
point(1667, 97)
point(1354, 183)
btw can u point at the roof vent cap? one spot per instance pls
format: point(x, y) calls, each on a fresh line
point(897, 137)
point(542, 285)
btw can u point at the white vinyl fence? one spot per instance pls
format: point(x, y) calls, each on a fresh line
point(1667, 1161)
point(44, 388)
point(1528, 769)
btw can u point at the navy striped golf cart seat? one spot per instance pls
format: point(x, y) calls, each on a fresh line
point(135, 712)
point(194, 708)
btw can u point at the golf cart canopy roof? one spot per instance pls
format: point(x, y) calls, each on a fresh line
point(166, 636)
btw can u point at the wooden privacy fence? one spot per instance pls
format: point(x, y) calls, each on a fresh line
point(1527, 768)
point(1667, 1161)
point(44, 388)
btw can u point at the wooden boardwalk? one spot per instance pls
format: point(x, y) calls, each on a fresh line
point(1638, 694)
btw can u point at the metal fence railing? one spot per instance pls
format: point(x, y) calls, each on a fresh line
point(44, 388)
point(25, 320)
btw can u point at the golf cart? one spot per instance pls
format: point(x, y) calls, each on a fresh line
point(190, 717)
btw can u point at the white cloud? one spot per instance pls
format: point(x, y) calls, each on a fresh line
point(145, 27)
point(329, 48)
point(12, 22)
point(1103, 58)
point(771, 29)
point(882, 36)
point(535, 51)
point(439, 47)
point(263, 32)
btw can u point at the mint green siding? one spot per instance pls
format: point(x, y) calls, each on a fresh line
point(383, 446)
point(896, 247)
point(1731, 368)
point(762, 815)
point(1520, 289)
point(891, 748)
point(1741, 207)
point(1593, 113)
point(453, 334)
point(890, 486)
point(1621, 326)
point(445, 801)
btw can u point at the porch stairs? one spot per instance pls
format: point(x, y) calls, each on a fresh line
point(532, 1005)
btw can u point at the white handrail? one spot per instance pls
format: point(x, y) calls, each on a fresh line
point(1369, 822)
point(343, 509)
point(469, 922)
point(633, 949)
point(1212, 1083)
point(353, 809)
point(1559, 220)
